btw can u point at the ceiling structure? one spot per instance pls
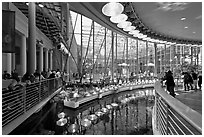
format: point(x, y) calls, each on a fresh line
point(163, 20)
point(157, 20)
point(180, 20)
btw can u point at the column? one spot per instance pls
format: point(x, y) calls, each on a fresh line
point(170, 58)
point(156, 60)
point(93, 53)
point(165, 57)
point(146, 60)
point(137, 59)
point(105, 55)
point(161, 60)
point(192, 55)
point(127, 70)
point(8, 59)
point(46, 60)
point(50, 59)
point(23, 58)
point(40, 58)
point(81, 67)
point(197, 55)
point(32, 38)
point(112, 64)
point(116, 54)
point(13, 61)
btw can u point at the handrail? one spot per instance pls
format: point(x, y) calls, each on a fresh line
point(177, 110)
point(19, 101)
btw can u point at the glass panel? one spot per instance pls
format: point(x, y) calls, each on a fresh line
point(87, 43)
point(142, 58)
point(99, 41)
point(150, 60)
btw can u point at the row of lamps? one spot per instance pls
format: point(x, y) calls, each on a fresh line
point(114, 11)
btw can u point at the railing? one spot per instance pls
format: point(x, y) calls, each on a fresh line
point(17, 102)
point(173, 117)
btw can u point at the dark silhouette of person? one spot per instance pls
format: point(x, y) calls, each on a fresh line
point(190, 80)
point(6, 75)
point(185, 81)
point(199, 81)
point(170, 83)
point(195, 77)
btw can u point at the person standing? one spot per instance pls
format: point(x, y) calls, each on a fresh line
point(185, 81)
point(190, 80)
point(200, 81)
point(170, 83)
point(195, 77)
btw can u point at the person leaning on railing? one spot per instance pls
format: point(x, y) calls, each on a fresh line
point(170, 83)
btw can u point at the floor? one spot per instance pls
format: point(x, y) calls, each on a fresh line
point(191, 98)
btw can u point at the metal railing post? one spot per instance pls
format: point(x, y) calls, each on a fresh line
point(39, 91)
point(24, 98)
point(167, 118)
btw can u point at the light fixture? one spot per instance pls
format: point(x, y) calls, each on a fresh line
point(134, 32)
point(40, 5)
point(139, 35)
point(124, 24)
point(194, 32)
point(119, 18)
point(112, 9)
point(183, 18)
point(27, 3)
point(186, 27)
point(129, 28)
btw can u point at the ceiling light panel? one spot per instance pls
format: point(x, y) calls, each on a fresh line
point(112, 9)
point(119, 18)
point(124, 24)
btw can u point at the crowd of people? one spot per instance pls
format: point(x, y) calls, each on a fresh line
point(191, 81)
point(29, 78)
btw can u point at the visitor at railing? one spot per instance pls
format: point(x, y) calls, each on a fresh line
point(200, 80)
point(6, 75)
point(170, 83)
point(195, 77)
point(190, 80)
point(38, 76)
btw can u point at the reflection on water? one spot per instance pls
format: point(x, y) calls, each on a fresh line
point(125, 113)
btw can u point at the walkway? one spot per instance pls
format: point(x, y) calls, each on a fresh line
point(191, 98)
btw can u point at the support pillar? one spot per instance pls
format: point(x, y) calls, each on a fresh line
point(23, 59)
point(93, 70)
point(51, 60)
point(146, 59)
point(165, 58)
point(156, 60)
point(40, 59)
point(127, 69)
point(112, 64)
point(137, 60)
point(46, 59)
point(9, 61)
point(32, 38)
point(116, 54)
point(13, 61)
point(192, 55)
point(105, 55)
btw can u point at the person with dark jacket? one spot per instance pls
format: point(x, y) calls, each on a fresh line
point(6, 75)
point(170, 83)
point(200, 81)
point(185, 81)
point(195, 77)
point(190, 80)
